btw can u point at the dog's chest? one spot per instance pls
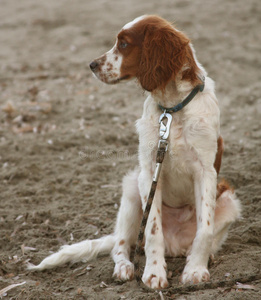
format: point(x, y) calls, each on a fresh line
point(176, 175)
point(177, 169)
point(178, 155)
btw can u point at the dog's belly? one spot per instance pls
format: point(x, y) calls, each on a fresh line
point(179, 229)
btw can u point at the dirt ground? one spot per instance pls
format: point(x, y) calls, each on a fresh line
point(66, 140)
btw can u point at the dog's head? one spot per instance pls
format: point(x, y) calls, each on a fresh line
point(150, 49)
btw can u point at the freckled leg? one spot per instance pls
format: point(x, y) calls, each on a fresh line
point(205, 195)
point(154, 274)
point(127, 227)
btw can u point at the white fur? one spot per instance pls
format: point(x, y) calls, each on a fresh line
point(185, 218)
point(82, 251)
point(110, 64)
point(130, 24)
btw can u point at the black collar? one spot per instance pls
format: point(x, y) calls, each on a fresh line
point(182, 104)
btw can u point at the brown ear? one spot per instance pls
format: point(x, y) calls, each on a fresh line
point(163, 55)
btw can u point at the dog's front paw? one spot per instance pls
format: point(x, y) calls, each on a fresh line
point(124, 270)
point(195, 274)
point(155, 276)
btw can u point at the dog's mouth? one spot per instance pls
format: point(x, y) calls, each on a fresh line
point(109, 80)
point(125, 77)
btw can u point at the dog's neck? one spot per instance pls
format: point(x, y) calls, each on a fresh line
point(174, 93)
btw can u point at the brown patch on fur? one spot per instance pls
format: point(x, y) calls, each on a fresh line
point(109, 67)
point(222, 187)
point(121, 242)
point(158, 210)
point(154, 251)
point(152, 276)
point(155, 262)
point(154, 228)
point(114, 75)
point(220, 150)
point(119, 253)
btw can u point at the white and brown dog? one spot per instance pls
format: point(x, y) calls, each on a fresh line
point(191, 213)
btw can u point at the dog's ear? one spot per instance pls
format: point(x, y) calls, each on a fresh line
point(164, 52)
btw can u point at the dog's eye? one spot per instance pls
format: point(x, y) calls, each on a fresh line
point(123, 45)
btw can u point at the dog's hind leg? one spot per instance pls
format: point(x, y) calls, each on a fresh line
point(127, 227)
point(227, 210)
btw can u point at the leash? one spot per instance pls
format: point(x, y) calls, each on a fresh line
point(161, 151)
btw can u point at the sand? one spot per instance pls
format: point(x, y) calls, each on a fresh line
point(66, 140)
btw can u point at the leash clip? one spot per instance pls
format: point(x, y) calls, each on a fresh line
point(164, 129)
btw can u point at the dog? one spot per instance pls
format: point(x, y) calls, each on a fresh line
point(191, 213)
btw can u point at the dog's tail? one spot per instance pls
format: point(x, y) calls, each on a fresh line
point(82, 251)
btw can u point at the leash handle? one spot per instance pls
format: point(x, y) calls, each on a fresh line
point(164, 129)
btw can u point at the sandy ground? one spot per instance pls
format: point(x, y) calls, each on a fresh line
point(66, 140)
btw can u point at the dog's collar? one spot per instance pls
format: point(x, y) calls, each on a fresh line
point(182, 104)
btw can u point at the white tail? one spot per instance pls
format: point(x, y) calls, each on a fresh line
point(82, 251)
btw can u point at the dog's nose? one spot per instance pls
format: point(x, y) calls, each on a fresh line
point(93, 65)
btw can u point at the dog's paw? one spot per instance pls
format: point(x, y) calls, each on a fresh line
point(155, 276)
point(124, 270)
point(195, 274)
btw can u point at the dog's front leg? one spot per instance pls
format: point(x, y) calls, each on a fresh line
point(205, 196)
point(154, 274)
point(127, 227)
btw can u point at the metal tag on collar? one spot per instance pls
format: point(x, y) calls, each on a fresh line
point(164, 129)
